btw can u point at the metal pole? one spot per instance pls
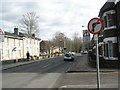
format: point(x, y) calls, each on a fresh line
point(97, 60)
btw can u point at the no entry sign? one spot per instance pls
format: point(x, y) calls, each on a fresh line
point(95, 25)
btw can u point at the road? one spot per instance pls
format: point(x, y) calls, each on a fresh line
point(52, 65)
point(50, 73)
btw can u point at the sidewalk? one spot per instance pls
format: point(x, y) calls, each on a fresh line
point(81, 65)
point(7, 66)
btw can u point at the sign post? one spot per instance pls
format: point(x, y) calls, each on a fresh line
point(95, 26)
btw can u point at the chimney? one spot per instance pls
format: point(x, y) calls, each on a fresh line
point(16, 31)
point(33, 35)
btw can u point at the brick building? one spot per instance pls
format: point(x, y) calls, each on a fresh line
point(109, 37)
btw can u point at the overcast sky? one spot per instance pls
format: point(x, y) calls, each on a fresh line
point(67, 16)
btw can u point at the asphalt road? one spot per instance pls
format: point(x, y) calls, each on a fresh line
point(52, 65)
point(50, 73)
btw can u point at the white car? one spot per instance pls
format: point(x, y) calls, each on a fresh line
point(68, 57)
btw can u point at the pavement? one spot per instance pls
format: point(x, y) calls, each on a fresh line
point(80, 75)
point(81, 65)
point(84, 77)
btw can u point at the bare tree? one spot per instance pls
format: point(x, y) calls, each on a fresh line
point(74, 44)
point(77, 43)
point(58, 39)
point(29, 22)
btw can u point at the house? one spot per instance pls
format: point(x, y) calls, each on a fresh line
point(118, 23)
point(45, 46)
point(16, 45)
point(109, 37)
point(48, 47)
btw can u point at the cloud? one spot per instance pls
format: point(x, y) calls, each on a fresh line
point(55, 15)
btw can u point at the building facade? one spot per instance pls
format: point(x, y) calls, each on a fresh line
point(16, 45)
point(47, 47)
point(118, 24)
point(109, 37)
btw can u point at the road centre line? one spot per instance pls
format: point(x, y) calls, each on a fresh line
point(46, 66)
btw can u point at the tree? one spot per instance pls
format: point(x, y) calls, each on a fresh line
point(62, 41)
point(58, 39)
point(77, 43)
point(29, 22)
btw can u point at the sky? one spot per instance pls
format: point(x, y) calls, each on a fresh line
point(66, 16)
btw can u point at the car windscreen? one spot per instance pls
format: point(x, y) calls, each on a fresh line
point(67, 55)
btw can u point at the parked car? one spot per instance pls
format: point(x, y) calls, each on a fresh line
point(85, 52)
point(68, 57)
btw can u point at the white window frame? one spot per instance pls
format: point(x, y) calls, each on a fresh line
point(106, 14)
point(110, 49)
point(113, 40)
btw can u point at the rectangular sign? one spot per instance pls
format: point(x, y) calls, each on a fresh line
point(86, 36)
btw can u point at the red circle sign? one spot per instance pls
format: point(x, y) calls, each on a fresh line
point(95, 25)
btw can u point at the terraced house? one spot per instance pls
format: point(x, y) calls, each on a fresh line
point(109, 38)
point(16, 45)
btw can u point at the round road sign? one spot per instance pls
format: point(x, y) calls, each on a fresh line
point(95, 25)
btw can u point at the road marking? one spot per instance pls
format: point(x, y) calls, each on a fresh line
point(45, 66)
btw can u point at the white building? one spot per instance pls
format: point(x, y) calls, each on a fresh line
point(16, 45)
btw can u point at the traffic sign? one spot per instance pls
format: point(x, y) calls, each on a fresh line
point(85, 33)
point(86, 36)
point(95, 25)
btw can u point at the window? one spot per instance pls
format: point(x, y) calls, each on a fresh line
point(14, 42)
point(8, 41)
point(102, 50)
point(34, 41)
point(30, 40)
point(26, 40)
point(7, 53)
point(19, 42)
point(110, 49)
point(105, 21)
point(106, 50)
point(109, 20)
point(19, 53)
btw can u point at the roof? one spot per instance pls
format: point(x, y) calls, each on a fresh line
point(12, 35)
point(27, 35)
point(46, 41)
point(107, 6)
point(20, 36)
